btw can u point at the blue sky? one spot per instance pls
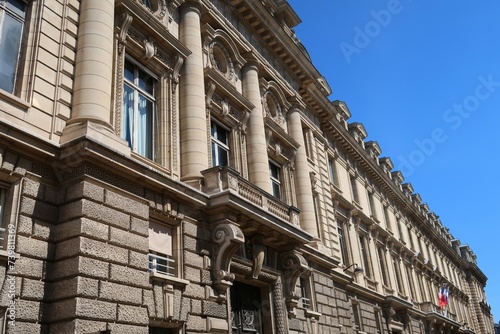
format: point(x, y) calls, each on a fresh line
point(424, 79)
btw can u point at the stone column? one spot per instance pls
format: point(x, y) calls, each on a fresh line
point(303, 185)
point(93, 83)
point(193, 118)
point(258, 161)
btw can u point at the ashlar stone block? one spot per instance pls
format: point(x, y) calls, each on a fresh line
point(133, 314)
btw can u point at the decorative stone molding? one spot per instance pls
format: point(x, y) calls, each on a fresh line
point(295, 265)
point(227, 237)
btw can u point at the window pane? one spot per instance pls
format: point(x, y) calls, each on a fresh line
point(17, 6)
point(128, 114)
point(221, 134)
point(274, 171)
point(146, 82)
point(128, 71)
point(223, 161)
point(10, 40)
point(145, 127)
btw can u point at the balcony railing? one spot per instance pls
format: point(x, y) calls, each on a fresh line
point(222, 179)
point(430, 307)
point(161, 264)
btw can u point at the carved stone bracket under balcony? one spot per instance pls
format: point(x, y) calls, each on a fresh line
point(227, 237)
point(295, 265)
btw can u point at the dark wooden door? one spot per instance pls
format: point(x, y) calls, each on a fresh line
point(246, 309)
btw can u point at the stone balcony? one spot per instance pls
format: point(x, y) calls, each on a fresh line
point(257, 209)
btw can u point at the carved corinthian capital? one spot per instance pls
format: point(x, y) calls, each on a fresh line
point(227, 238)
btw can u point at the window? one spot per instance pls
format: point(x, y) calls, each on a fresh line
point(161, 257)
point(274, 172)
point(220, 144)
point(354, 189)
point(139, 110)
point(3, 227)
point(365, 254)
point(342, 243)
point(305, 293)
point(371, 201)
point(411, 283)
point(332, 169)
point(383, 267)
point(305, 135)
point(160, 330)
point(399, 278)
point(400, 230)
point(12, 20)
point(387, 218)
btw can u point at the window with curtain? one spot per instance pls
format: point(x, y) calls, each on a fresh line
point(12, 21)
point(139, 110)
point(161, 256)
point(220, 144)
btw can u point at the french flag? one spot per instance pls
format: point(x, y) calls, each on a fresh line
point(443, 297)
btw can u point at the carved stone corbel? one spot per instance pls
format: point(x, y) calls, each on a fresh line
point(405, 318)
point(258, 254)
point(177, 69)
point(227, 237)
point(295, 265)
point(388, 313)
point(126, 21)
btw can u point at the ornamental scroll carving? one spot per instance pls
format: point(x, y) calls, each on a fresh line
point(227, 238)
point(295, 266)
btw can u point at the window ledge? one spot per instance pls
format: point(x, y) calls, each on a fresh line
point(313, 314)
point(155, 276)
point(14, 100)
point(335, 188)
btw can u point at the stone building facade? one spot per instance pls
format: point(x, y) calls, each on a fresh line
point(176, 166)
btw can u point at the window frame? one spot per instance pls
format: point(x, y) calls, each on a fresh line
point(364, 250)
point(151, 97)
point(216, 143)
point(332, 172)
point(176, 249)
point(276, 180)
point(306, 294)
point(354, 188)
point(24, 20)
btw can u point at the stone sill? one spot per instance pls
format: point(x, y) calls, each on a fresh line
point(168, 279)
point(312, 314)
point(14, 100)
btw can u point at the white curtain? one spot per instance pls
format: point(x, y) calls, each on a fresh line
point(160, 238)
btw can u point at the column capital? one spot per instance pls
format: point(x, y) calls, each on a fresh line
point(251, 60)
point(192, 4)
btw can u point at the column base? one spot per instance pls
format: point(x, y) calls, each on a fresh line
point(96, 132)
point(195, 181)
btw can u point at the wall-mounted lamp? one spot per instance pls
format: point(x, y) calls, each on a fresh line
point(357, 269)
